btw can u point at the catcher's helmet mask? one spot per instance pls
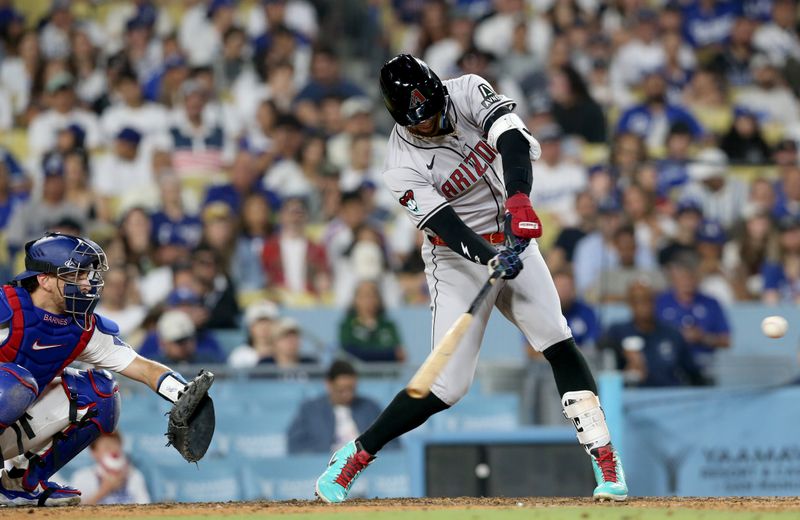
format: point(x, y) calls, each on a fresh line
point(78, 262)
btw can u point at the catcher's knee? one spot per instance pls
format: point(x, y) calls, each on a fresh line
point(18, 391)
point(96, 392)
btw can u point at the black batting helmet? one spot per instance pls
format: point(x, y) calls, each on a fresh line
point(412, 92)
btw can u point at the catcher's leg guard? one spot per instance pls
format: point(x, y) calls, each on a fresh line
point(60, 425)
point(18, 391)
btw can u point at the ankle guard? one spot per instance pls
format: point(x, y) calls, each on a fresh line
point(583, 409)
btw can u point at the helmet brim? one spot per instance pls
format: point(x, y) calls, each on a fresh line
point(25, 274)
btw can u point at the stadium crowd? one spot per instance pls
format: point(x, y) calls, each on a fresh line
point(228, 155)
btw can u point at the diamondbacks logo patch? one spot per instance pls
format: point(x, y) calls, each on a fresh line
point(408, 201)
point(416, 99)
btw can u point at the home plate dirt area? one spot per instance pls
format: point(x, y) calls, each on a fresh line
point(762, 508)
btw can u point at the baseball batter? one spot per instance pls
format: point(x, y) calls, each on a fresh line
point(49, 413)
point(459, 161)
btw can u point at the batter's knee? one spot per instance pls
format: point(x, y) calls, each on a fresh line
point(97, 392)
point(18, 391)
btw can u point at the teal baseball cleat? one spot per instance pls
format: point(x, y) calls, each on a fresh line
point(345, 466)
point(609, 475)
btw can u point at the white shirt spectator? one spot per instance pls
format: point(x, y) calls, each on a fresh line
point(633, 60)
point(777, 43)
point(44, 128)
point(495, 34)
point(555, 187)
point(286, 178)
point(128, 318)
point(134, 491)
point(778, 104)
point(149, 119)
point(112, 176)
point(14, 77)
point(300, 16)
point(194, 27)
point(243, 356)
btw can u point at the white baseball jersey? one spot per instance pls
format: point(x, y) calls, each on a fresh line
point(459, 169)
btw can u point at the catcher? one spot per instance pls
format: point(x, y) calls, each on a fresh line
point(50, 412)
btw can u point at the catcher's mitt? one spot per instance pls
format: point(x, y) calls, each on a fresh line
point(191, 420)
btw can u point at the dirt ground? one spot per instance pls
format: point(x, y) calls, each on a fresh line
point(422, 504)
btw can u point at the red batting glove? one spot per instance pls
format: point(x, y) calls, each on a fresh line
point(525, 222)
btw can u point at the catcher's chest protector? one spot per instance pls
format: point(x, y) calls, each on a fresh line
point(42, 342)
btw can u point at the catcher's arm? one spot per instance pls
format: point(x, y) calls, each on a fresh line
point(149, 372)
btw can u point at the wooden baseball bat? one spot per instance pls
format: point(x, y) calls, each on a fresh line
point(420, 385)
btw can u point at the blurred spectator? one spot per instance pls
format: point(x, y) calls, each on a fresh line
point(62, 112)
point(781, 274)
point(779, 39)
point(129, 110)
point(754, 240)
point(563, 250)
point(243, 180)
point(699, 317)
point(40, 212)
point(367, 333)
point(286, 177)
point(653, 118)
point(286, 336)
point(558, 180)
point(198, 141)
point(720, 195)
point(708, 23)
point(744, 143)
point(649, 351)
point(768, 95)
point(787, 193)
point(120, 302)
point(713, 278)
point(733, 59)
point(333, 418)
point(55, 31)
point(628, 152)
point(650, 224)
point(292, 262)
point(113, 479)
point(217, 291)
point(573, 107)
point(673, 168)
point(176, 341)
point(259, 319)
point(613, 282)
point(581, 317)
point(326, 81)
point(688, 217)
point(595, 253)
point(125, 173)
point(18, 69)
point(171, 224)
point(247, 270)
point(219, 232)
point(443, 54)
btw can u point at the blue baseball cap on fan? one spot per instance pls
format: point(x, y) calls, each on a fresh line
point(711, 232)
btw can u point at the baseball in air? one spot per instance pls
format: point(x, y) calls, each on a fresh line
point(774, 326)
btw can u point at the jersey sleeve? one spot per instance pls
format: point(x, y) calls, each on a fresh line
point(415, 193)
point(107, 351)
point(482, 100)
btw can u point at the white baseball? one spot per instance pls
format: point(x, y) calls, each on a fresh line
point(774, 326)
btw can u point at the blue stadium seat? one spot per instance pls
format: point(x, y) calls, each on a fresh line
point(260, 435)
point(380, 390)
point(387, 477)
point(229, 339)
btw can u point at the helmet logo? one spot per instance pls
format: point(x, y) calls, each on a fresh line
point(71, 264)
point(416, 99)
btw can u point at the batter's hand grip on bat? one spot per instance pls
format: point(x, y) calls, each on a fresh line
point(420, 385)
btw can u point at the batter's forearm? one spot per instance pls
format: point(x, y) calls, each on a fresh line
point(515, 153)
point(458, 237)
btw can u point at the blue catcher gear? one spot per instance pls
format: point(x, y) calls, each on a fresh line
point(18, 390)
point(78, 262)
point(92, 407)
